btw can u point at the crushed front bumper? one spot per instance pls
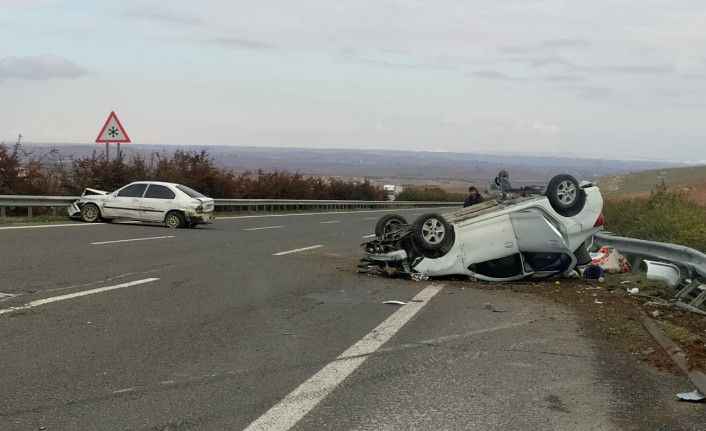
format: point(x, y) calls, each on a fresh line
point(74, 210)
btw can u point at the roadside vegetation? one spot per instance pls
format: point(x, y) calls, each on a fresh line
point(666, 216)
point(22, 172)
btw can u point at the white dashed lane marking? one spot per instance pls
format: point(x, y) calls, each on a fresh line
point(297, 250)
point(45, 226)
point(250, 229)
point(52, 299)
point(133, 239)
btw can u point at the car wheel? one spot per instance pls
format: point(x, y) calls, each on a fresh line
point(432, 232)
point(174, 220)
point(90, 213)
point(389, 223)
point(566, 195)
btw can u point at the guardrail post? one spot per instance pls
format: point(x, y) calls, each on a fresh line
point(53, 211)
point(3, 214)
point(29, 211)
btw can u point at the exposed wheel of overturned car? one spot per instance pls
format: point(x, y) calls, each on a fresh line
point(431, 232)
point(90, 213)
point(566, 195)
point(389, 223)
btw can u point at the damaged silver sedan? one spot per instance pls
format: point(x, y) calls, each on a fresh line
point(532, 233)
point(172, 204)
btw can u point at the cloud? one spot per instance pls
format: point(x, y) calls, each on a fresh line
point(396, 59)
point(566, 43)
point(546, 128)
point(165, 16)
point(552, 60)
point(39, 68)
point(239, 43)
point(638, 70)
point(493, 74)
point(564, 78)
point(595, 93)
point(546, 45)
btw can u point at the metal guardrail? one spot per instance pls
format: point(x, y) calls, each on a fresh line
point(54, 202)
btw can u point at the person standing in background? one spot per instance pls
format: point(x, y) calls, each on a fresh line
point(474, 197)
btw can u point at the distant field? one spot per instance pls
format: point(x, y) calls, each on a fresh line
point(691, 180)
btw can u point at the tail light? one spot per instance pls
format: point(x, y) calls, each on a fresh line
point(600, 221)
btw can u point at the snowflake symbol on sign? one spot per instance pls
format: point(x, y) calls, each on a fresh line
point(113, 132)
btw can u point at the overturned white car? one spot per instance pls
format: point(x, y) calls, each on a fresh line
point(172, 204)
point(510, 238)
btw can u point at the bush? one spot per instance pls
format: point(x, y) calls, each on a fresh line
point(429, 193)
point(665, 216)
point(20, 173)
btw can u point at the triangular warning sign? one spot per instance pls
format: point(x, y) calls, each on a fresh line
point(112, 131)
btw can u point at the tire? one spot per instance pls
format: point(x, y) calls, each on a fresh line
point(389, 223)
point(432, 232)
point(566, 195)
point(90, 213)
point(174, 220)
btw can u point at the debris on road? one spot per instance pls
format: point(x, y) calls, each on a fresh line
point(593, 272)
point(419, 277)
point(494, 309)
point(665, 272)
point(610, 260)
point(394, 302)
point(693, 396)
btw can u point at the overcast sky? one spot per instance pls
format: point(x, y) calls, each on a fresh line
point(601, 78)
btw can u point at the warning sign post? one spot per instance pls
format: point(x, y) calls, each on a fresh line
point(112, 132)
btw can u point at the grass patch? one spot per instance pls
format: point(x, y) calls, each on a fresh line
point(664, 216)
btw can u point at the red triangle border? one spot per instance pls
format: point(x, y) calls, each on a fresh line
point(120, 126)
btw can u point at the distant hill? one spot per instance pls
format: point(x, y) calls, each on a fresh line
point(450, 170)
point(691, 180)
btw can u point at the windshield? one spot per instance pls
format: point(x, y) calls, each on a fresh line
point(191, 192)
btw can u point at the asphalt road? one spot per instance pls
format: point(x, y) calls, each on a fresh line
point(263, 323)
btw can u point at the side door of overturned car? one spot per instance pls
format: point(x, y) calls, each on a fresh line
point(489, 248)
point(125, 203)
point(544, 247)
point(158, 199)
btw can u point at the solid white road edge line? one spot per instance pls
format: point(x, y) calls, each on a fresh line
point(43, 226)
point(45, 301)
point(263, 228)
point(232, 217)
point(297, 250)
point(324, 213)
point(133, 239)
point(370, 235)
point(330, 221)
point(285, 414)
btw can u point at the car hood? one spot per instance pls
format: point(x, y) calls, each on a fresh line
point(93, 192)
